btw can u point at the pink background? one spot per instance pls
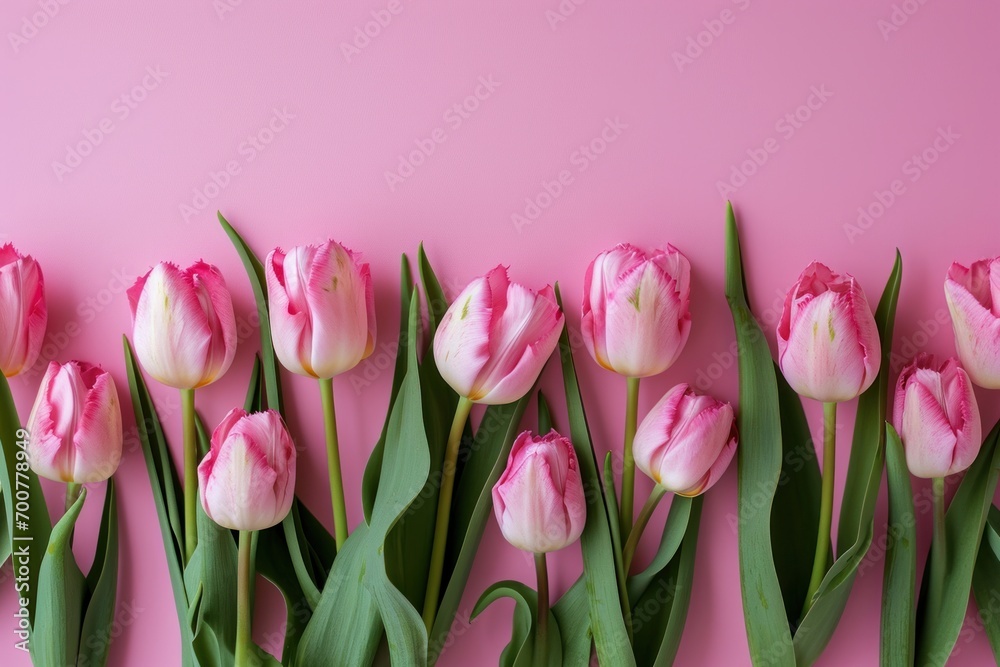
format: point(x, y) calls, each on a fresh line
point(683, 126)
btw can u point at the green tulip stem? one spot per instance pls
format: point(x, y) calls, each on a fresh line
point(939, 551)
point(190, 472)
point(333, 462)
point(821, 558)
point(436, 570)
point(640, 525)
point(628, 467)
point(244, 593)
point(542, 623)
point(72, 493)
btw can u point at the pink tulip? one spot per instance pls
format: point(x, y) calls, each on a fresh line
point(495, 338)
point(828, 345)
point(322, 308)
point(636, 309)
point(75, 427)
point(184, 329)
point(686, 441)
point(23, 314)
point(247, 480)
point(539, 500)
point(937, 417)
point(973, 296)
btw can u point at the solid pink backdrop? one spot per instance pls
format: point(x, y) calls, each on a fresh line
point(594, 122)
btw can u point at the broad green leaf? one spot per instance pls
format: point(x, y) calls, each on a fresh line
point(5, 541)
point(544, 415)
point(55, 633)
point(795, 510)
point(604, 596)
point(864, 475)
point(520, 651)
point(347, 622)
point(938, 626)
point(101, 587)
point(573, 615)
point(986, 581)
point(674, 531)
point(611, 501)
point(869, 424)
point(166, 490)
point(899, 585)
point(26, 518)
point(758, 469)
point(255, 271)
point(661, 611)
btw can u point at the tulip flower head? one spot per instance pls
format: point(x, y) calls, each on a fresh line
point(937, 417)
point(495, 338)
point(247, 480)
point(636, 309)
point(828, 344)
point(183, 326)
point(75, 426)
point(322, 307)
point(23, 313)
point(973, 296)
point(539, 500)
point(686, 441)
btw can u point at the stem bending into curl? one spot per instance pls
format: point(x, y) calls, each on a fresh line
point(333, 462)
point(821, 558)
point(436, 570)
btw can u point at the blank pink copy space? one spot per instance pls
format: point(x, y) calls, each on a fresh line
point(533, 134)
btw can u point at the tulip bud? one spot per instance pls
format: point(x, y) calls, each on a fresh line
point(973, 296)
point(23, 314)
point(636, 309)
point(686, 441)
point(539, 500)
point(75, 426)
point(828, 345)
point(247, 480)
point(183, 326)
point(937, 417)
point(322, 308)
point(495, 338)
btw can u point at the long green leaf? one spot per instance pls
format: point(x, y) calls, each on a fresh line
point(899, 584)
point(986, 580)
point(607, 622)
point(759, 469)
point(55, 634)
point(5, 537)
point(661, 612)
point(102, 587)
point(347, 623)
point(938, 626)
point(674, 531)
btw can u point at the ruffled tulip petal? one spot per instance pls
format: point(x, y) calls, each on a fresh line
point(336, 293)
point(977, 328)
point(23, 311)
point(98, 437)
point(462, 340)
point(291, 331)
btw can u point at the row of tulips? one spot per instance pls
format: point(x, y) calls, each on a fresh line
point(348, 594)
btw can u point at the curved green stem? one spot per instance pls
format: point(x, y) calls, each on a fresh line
point(244, 590)
point(628, 552)
point(333, 462)
point(628, 467)
point(190, 472)
point(436, 570)
point(821, 558)
point(939, 551)
point(542, 622)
